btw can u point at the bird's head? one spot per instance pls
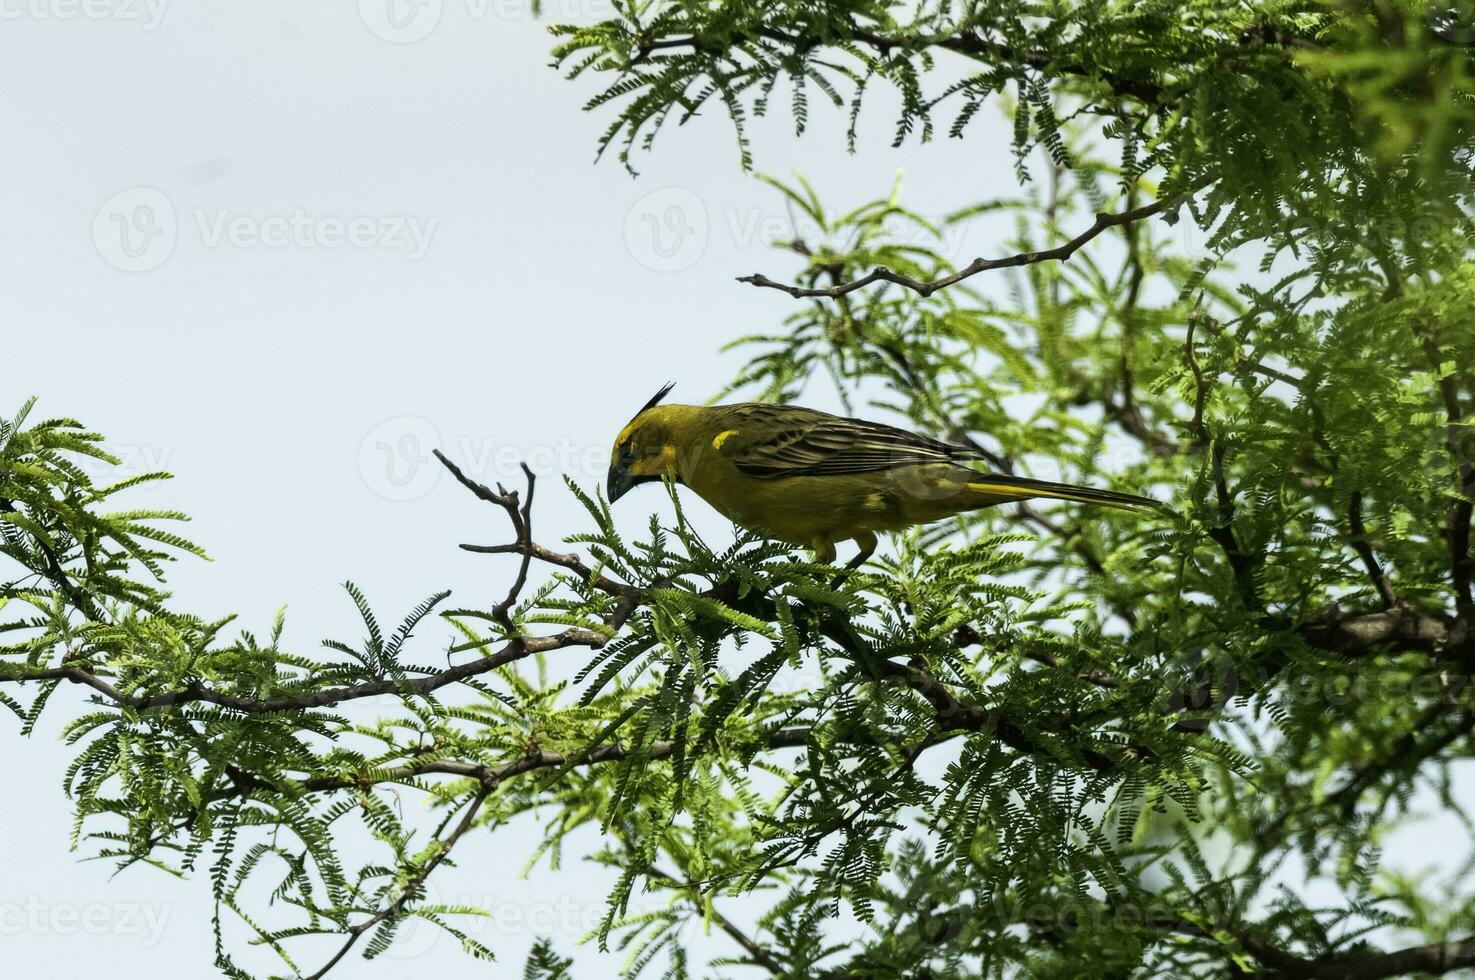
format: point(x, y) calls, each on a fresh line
point(645, 449)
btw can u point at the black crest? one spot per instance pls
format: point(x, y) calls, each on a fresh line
point(656, 398)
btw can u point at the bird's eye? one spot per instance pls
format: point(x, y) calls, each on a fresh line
point(627, 453)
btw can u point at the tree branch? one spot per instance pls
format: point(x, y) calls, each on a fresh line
point(1060, 252)
point(1398, 628)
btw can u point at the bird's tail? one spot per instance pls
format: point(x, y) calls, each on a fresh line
point(1002, 487)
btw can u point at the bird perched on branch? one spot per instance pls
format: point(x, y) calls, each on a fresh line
point(811, 478)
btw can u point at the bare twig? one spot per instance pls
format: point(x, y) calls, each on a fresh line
point(1060, 252)
point(564, 560)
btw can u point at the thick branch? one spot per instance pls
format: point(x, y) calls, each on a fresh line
point(1399, 629)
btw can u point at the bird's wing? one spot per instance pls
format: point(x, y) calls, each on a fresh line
point(784, 441)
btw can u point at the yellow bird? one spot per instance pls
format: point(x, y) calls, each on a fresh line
point(811, 478)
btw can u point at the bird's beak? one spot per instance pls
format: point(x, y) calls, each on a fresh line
point(620, 482)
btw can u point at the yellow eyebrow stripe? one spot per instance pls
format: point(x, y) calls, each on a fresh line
point(723, 437)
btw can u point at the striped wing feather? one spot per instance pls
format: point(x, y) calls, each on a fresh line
point(804, 442)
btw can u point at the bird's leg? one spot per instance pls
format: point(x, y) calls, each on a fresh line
point(867, 542)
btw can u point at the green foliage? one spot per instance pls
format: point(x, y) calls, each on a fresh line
point(1030, 741)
